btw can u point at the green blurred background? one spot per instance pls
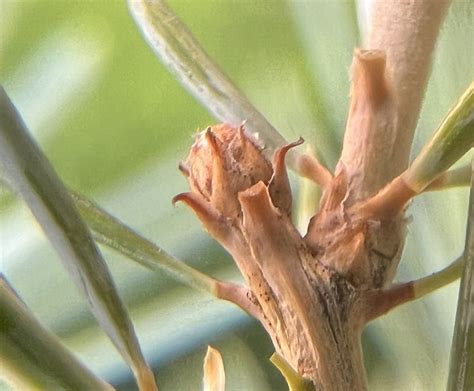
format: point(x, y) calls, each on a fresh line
point(115, 124)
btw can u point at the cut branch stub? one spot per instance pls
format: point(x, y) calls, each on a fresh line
point(371, 127)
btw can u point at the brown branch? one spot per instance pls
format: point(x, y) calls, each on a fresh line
point(381, 301)
point(387, 91)
point(407, 32)
point(386, 204)
point(393, 198)
point(371, 119)
point(240, 296)
point(308, 166)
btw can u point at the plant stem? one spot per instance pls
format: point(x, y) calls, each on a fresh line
point(308, 199)
point(293, 378)
point(380, 302)
point(380, 127)
point(453, 138)
point(310, 290)
point(457, 177)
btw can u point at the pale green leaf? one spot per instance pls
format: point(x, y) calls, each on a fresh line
point(29, 173)
point(197, 72)
point(454, 137)
point(33, 358)
point(113, 233)
point(461, 371)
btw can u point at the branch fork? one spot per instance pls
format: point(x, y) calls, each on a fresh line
point(313, 294)
point(335, 278)
point(245, 202)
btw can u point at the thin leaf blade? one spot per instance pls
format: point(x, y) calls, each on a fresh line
point(32, 357)
point(461, 371)
point(197, 72)
point(30, 174)
point(454, 137)
point(111, 232)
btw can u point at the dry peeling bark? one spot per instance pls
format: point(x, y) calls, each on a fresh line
point(314, 293)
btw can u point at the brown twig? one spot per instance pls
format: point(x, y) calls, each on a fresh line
point(309, 167)
point(379, 302)
point(239, 295)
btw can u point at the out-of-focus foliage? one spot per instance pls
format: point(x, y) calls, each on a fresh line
point(33, 357)
point(115, 124)
point(461, 363)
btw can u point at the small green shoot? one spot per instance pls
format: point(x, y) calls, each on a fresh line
point(293, 378)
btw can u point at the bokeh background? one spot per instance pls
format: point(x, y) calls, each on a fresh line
point(115, 124)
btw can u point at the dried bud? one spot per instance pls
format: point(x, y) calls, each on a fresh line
point(224, 161)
